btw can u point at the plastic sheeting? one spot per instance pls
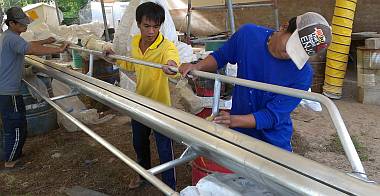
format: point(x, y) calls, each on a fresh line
point(38, 31)
point(128, 26)
point(226, 184)
point(127, 83)
point(43, 13)
point(93, 12)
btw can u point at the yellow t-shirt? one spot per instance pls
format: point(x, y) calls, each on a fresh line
point(152, 82)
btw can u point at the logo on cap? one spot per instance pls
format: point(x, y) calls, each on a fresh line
point(313, 42)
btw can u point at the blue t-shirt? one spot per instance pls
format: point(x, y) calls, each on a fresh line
point(12, 50)
point(248, 48)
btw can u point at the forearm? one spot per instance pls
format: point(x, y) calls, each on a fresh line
point(243, 121)
point(37, 49)
point(40, 42)
point(208, 64)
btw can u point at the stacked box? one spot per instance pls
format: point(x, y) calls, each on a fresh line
point(368, 65)
point(372, 43)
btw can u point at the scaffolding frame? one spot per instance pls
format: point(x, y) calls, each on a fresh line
point(230, 6)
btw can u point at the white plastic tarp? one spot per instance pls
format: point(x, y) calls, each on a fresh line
point(43, 13)
point(128, 26)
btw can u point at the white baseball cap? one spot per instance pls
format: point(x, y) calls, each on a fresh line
point(313, 34)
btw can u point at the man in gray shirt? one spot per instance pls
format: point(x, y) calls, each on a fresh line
point(13, 49)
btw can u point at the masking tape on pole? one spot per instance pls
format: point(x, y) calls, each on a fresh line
point(337, 53)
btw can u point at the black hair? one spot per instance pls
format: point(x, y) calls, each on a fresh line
point(292, 26)
point(151, 11)
point(10, 20)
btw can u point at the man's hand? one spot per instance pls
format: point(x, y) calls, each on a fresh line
point(167, 69)
point(106, 53)
point(185, 68)
point(64, 46)
point(223, 118)
point(49, 40)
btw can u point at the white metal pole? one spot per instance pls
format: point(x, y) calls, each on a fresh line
point(105, 21)
point(231, 16)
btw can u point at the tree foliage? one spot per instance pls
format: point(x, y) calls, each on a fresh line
point(70, 8)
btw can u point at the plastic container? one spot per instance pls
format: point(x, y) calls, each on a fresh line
point(77, 60)
point(202, 167)
point(40, 116)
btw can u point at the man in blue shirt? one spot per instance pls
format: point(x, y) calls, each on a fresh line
point(12, 109)
point(266, 56)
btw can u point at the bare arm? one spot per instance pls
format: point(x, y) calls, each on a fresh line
point(36, 48)
point(234, 121)
point(44, 41)
point(243, 121)
point(208, 64)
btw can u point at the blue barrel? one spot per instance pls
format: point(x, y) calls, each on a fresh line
point(41, 117)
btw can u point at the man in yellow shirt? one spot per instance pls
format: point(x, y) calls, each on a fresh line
point(153, 83)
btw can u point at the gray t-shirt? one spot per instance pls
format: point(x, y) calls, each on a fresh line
point(12, 50)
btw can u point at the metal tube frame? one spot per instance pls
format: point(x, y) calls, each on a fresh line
point(75, 93)
point(105, 21)
point(231, 17)
point(230, 6)
point(234, 6)
point(91, 65)
point(139, 169)
point(188, 30)
point(166, 166)
point(216, 98)
point(205, 39)
point(250, 157)
point(337, 120)
point(276, 16)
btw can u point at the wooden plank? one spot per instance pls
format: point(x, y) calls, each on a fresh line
point(369, 95)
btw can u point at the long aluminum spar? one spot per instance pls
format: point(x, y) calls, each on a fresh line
point(281, 171)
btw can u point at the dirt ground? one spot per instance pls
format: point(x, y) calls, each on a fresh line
point(59, 159)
